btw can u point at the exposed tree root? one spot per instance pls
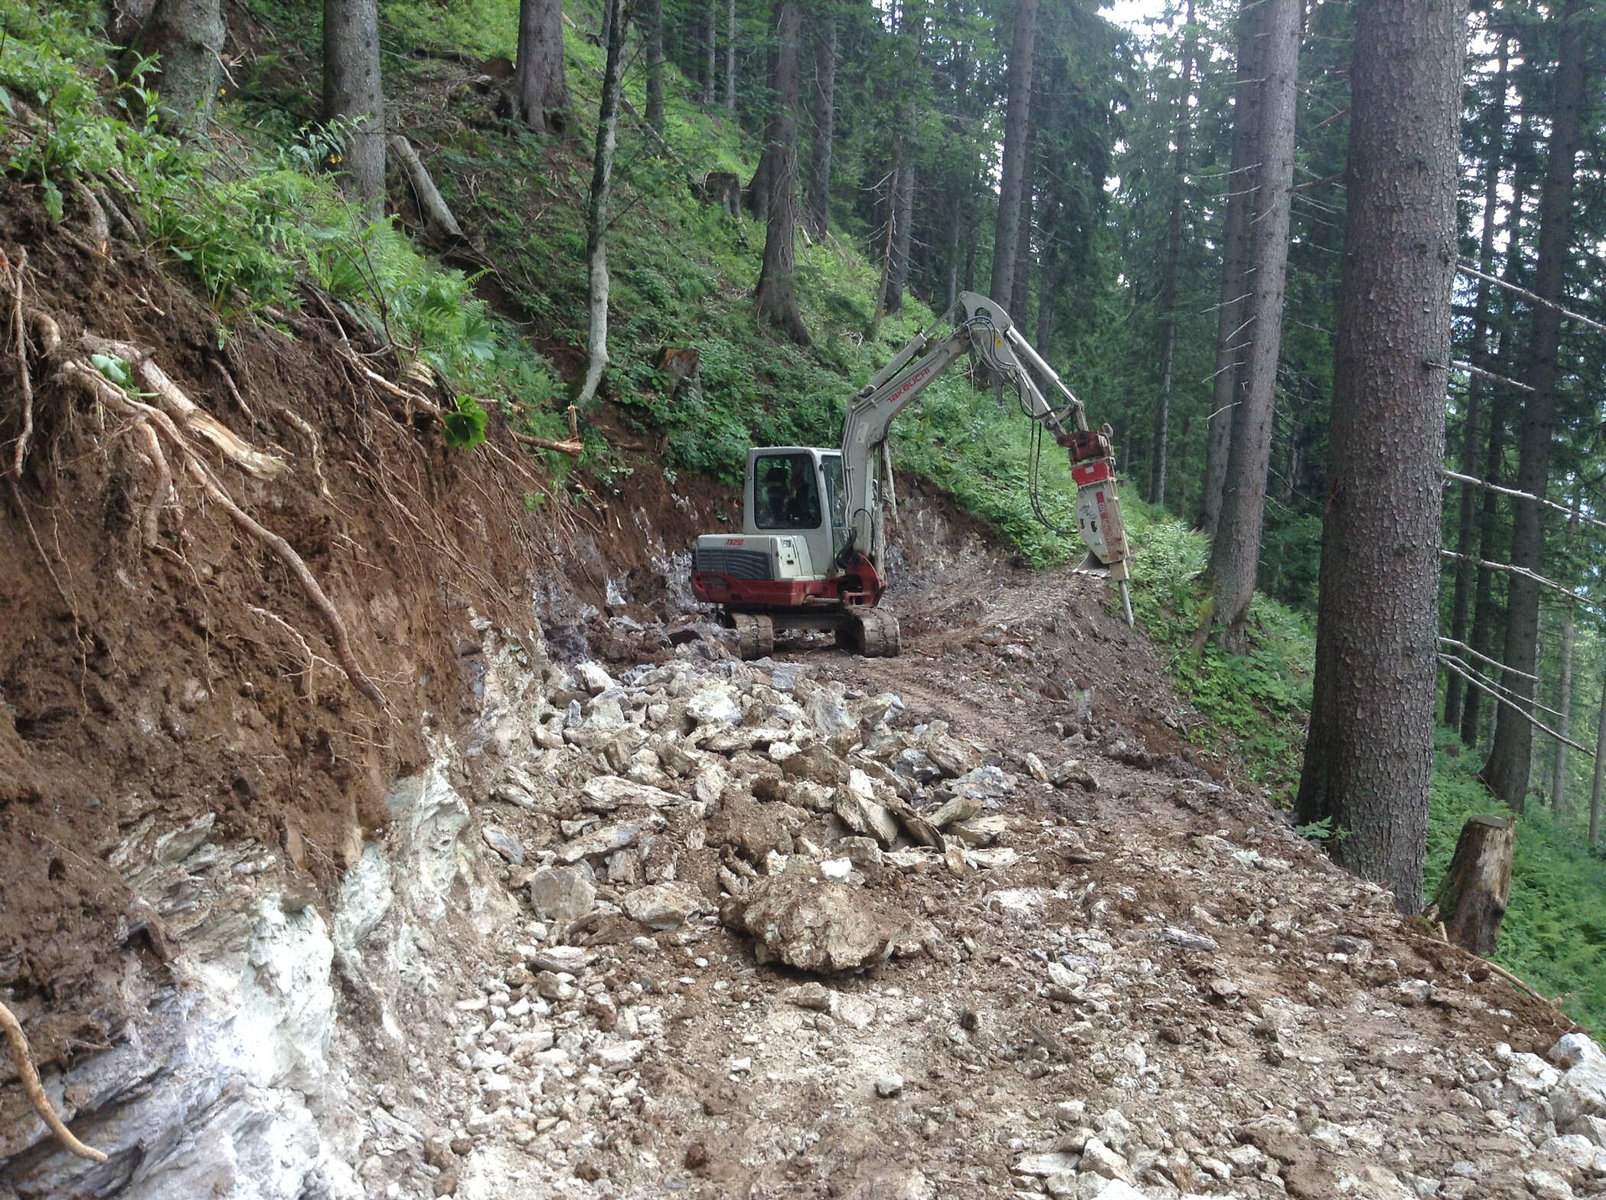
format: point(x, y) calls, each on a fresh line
point(573, 449)
point(36, 1090)
point(98, 226)
point(13, 280)
point(160, 422)
point(161, 490)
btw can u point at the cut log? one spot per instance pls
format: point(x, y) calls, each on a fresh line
point(437, 217)
point(1472, 896)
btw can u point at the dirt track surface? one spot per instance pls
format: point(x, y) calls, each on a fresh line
point(1106, 969)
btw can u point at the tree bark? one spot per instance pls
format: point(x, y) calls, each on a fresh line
point(817, 216)
point(1235, 554)
point(652, 12)
point(540, 91)
point(1510, 758)
point(597, 212)
point(1488, 617)
point(1230, 336)
point(711, 55)
point(189, 37)
point(1599, 786)
point(903, 215)
point(1017, 114)
point(1020, 290)
point(777, 298)
point(1173, 265)
point(730, 58)
point(352, 92)
point(1472, 896)
point(1471, 432)
point(1564, 692)
point(1369, 752)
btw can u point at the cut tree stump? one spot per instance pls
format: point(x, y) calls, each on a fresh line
point(1472, 896)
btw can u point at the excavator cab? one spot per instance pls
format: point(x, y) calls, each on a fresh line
point(793, 564)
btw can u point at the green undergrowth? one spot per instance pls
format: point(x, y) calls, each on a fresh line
point(253, 219)
point(1554, 934)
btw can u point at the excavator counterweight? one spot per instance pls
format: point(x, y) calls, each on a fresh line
point(812, 551)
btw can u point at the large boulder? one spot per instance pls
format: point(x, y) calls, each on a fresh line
point(819, 927)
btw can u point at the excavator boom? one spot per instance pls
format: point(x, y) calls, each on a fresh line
point(812, 552)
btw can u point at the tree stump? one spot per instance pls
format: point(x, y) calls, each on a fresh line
point(1472, 896)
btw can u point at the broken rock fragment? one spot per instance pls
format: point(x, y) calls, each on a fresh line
point(562, 893)
point(819, 927)
point(661, 905)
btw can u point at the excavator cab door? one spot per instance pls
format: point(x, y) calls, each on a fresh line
point(797, 490)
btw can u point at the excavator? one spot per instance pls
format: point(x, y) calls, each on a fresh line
point(812, 553)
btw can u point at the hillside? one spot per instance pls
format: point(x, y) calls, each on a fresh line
point(479, 866)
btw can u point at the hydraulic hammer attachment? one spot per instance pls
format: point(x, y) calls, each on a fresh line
point(1098, 510)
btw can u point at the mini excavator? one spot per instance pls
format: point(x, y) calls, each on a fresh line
point(812, 551)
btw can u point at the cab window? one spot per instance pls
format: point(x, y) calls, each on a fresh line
point(786, 492)
point(836, 497)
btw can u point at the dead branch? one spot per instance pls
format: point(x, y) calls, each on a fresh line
point(1467, 268)
point(35, 1090)
point(184, 410)
point(1528, 496)
point(437, 216)
point(573, 449)
point(162, 492)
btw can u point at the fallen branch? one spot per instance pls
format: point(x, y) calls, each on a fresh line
point(1518, 983)
point(437, 216)
point(36, 1090)
point(573, 449)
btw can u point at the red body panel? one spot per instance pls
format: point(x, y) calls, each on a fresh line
point(859, 584)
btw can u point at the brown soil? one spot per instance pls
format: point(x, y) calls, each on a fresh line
point(159, 684)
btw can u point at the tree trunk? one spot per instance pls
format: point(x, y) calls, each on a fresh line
point(1173, 267)
point(1020, 291)
point(540, 92)
point(652, 12)
point(352, 92)
point(1564, 692)
point(903, 215)
point(189, 37)
point(1369, 752)
point(1510, 758)
point(1455, 688)
point(777, 299)
point(1017, 115)
point(1595, 792)
point(1236, 550)
point(711, 55)
point(1488, 617)
point(1472, 896)
point(817, 217)
point(597, 211)
point(730, 58)
point(1230, 335)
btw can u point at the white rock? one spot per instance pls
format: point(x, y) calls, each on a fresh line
point(562, 893)
point(1099, 1159)
point(1050, 1163)
point(1531, 1075)
point(661, 905)
point(888, 1086)
point(593, 678)
point(838, 869)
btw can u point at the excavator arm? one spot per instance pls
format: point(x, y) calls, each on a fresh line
point(986, 331)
